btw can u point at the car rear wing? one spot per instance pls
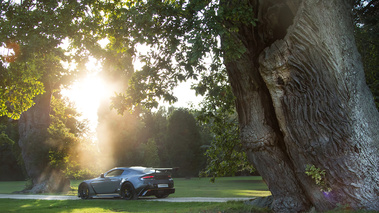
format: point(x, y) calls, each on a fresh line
point(165, 170)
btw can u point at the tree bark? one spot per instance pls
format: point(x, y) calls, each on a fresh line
point(302, 100)
point(33, 125)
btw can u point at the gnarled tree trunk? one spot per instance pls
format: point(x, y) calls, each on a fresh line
point(302, 100)
point(33, 125)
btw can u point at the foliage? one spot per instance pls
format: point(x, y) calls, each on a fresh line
point(118, 137)
point(183, 143)
point(32, 33)
point(17, 90)
point(181, 35)
point(319, 176)
point(151, 139)
point(155, 128)
point(69, 149)
point(225, 154)
point(10, 164)
point(137, 138)
point(367, 39)
point(149, 154)
point(183, 41)
point(182, 38)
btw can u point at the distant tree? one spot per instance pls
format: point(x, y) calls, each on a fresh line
point(155, 128)
point(11, 166)
point(367, 38)
point(183, 143)
point(118, 137)
point(149, 154)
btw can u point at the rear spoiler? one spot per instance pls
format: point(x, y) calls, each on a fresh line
point(165, 170)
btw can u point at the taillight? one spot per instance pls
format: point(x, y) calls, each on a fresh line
point(147, 177)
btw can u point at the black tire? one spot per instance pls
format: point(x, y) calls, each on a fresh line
point(161, 195)
point(83, 191)
point(128, 192)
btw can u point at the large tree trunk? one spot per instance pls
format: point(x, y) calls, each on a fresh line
point(302, 100)
point(33, 125)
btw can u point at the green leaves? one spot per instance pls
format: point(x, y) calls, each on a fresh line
point(182, 40)
point(149, 153)
point(67, 141)
point(367, 39)
point(319, 176)
point(225, 154)
point(40, 28)
point(183, 143)
point(17, 90)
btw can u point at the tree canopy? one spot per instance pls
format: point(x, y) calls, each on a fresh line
point(32, 37)
point(183, 41)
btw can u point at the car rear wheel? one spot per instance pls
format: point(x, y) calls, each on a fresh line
point(83, 191)
point(128, 192)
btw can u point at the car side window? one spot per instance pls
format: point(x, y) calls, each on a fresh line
point(114, 173)
point(125, 172)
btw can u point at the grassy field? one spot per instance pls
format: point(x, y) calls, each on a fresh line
point(195, 187)
point(7, 187)
point(118, 205)
point(252, 186)
point(223, 187)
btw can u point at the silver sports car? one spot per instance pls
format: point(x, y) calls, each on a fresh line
point(129, 183)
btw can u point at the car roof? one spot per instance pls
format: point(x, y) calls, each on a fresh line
point(136, 168)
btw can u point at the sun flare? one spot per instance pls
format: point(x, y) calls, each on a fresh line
point(87, 94)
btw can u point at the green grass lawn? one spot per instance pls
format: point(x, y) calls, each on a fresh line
point(251, 186)
point(119, 205)
point(7, 187)
point(195, 187)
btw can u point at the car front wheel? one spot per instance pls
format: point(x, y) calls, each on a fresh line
point(128, 192)
point(83, 191)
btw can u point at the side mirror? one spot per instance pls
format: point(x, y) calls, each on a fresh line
point(102, 176)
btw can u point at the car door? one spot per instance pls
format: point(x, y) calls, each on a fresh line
point(109, 183)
